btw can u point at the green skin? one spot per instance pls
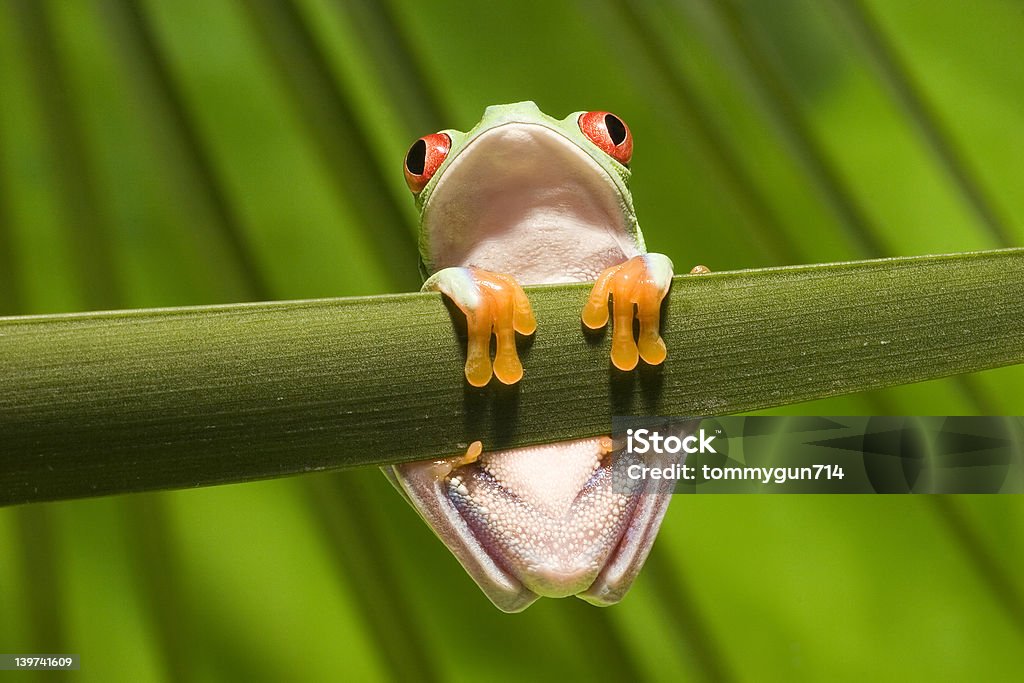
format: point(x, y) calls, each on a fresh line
point(531, 196)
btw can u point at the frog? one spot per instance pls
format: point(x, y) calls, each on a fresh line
point(521, 199)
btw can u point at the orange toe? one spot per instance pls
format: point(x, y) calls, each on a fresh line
point(503, 311)
point(637, 288)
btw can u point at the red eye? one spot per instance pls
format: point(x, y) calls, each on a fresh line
point(424, 158)
point(610, 133)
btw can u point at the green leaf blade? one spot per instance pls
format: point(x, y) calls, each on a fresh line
point(134, 400)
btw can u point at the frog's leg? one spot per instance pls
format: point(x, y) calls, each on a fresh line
point(425, 486)
point(491, 302)
point(445, 466)
point(641, 283)
point(438, 469)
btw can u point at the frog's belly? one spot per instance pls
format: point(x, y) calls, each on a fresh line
point(549, 514)
point(549, 518)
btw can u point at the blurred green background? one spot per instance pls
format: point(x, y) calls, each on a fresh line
point(158, 152)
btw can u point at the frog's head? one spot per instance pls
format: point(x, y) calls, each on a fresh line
point(524, 193)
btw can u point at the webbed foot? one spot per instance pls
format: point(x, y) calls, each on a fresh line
point(641, 283)
point(492, 302)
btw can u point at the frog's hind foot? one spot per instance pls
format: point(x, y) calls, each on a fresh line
point(442, 467)
point(492, 302)
point(641, 283)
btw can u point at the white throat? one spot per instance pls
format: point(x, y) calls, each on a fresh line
point(523, 200)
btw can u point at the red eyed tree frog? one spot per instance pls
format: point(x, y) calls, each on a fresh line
point(524, 198)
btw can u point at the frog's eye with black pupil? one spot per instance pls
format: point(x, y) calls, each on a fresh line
point(610, 133)
point(424, 158)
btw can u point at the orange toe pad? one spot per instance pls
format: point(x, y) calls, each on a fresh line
point(640, 283)
point(504, 310)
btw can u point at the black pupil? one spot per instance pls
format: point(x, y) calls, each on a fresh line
point(616, 128)
point(416, 159)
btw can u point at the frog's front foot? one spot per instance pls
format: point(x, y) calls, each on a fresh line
point(492, 302)
point(641, 283)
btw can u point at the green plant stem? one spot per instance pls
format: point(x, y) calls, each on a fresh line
point(114, 402)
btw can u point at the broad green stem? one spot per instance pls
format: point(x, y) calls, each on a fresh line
point(114, 402)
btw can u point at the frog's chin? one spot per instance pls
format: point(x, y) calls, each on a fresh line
point(547, 521)
point(525, 200)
